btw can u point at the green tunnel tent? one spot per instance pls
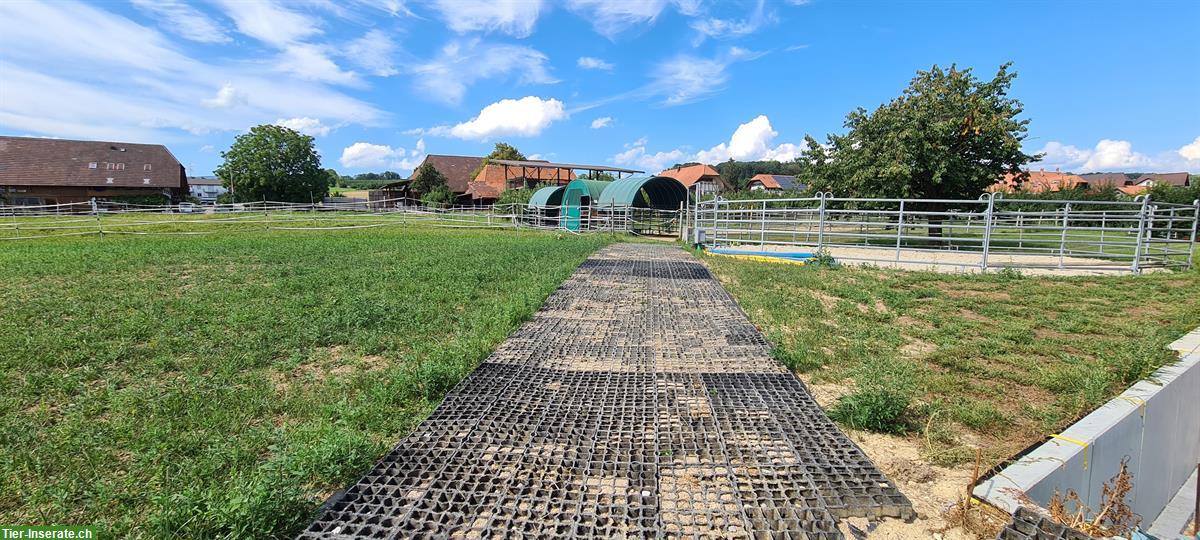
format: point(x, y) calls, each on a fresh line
point(547, 197)
point(579, 195)
point(657, 192)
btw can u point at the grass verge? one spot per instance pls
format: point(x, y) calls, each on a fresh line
point(224, 386)
point(996, 361)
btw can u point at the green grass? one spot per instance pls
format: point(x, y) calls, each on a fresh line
point(224, 386)
point(992, 360)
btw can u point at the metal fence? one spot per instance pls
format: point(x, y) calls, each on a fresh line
point(100, 218)
point(989, 232)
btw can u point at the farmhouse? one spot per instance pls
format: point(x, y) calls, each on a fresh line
point(205, 188)
point(37, 171)
point(498, 176)
point(1040, 182)
point(699, 179)
point(774, 182)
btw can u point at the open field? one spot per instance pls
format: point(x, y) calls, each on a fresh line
point(990, 361)
point(226, 385)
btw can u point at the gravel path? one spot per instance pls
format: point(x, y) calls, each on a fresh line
point(639, 402)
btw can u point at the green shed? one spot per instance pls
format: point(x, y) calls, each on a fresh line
point(547, 197)
point(577, 196)
point(657, 192)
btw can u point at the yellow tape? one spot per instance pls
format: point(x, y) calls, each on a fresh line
point(1136, 401)
point(1075, 441)
point(759, 258)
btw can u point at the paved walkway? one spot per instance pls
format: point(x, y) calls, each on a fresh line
point(639, 402)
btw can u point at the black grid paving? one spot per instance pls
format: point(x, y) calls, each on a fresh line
point(1027, 524)
point(639, 402)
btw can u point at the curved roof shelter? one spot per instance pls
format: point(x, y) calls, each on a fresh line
point(658, 192)
point(547, 196)
point(578, 189)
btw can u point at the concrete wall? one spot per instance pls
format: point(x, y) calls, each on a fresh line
point(1155, 423)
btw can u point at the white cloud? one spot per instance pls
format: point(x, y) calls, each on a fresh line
point(588, 62)
point(363, 155)
point(312, 63)
point(525, 117)
point(62, 87)
point(1112, 155)
point(1190, 151)
point(373, 52)
point(305, 125)
point(686, 78)
point(227, 96)
point(602, 122)
point(185, 20)
point(208, 148)
point(461, 64)
point(611, 18)
point(751, 141)
point(713, 27)
point(635, 154)
point(270, 22)
point(514, 17)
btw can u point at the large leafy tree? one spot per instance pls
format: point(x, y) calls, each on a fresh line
point(431, 184)
point(502, 150)
point(273, 163)
point(948, 136)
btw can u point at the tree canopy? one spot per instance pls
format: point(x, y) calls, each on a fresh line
point(273, 163)
point(948, 136)
point(427, 179)
point(502, 150)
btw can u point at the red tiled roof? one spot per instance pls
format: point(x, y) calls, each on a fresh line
point(31, 161)
point(1039, 182)
point(1132, 190)
point(495, 178)
point(456, 169)
point(691, 174)
point(774, 181)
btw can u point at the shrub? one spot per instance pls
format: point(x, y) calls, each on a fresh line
point(881, 400)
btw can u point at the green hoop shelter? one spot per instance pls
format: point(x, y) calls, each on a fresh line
point(577, 195)
point(657, 192)
point(549, 196)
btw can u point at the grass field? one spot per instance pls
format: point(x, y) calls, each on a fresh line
point(995, 361)
point(224, 386)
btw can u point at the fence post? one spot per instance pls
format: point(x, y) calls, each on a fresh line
point(762, 229)
point(1192, 244)
point(1137, 249)
point(821, 222)
point(899, 229)
point(1062, 243)
point(987, 229)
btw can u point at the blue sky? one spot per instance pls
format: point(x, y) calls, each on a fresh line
point(1109, 86)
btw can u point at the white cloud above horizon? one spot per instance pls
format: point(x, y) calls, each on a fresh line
point(460, 64)
point(589, 62)
point(686, 78)
point(602, 122)
point(305, 125)
point(751, 141)
point(187, 21)
point(524, 117)
point(516, 18)
point(364, 155)
point(1114, 155)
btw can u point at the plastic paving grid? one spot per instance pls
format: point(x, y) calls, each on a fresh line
point(1029, 525)
point(639, 402)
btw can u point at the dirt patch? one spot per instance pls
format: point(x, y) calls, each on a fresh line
point(917, 348)
point(972, 316)
point(336, 362)
point(827, 394)
point(933, 490)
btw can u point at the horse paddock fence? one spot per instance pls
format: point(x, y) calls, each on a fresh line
point(991, 232)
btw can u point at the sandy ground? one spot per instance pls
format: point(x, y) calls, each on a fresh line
point(950, 261)
point(933, 490)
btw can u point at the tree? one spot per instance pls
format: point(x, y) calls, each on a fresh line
point(948, 136)
point(500, 151)
point(427, 179)
point(273, 163)
point(332, 177)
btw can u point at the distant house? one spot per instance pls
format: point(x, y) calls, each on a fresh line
point(494, 179)
point(1177, 179)
point(774, 182)
point(456, 169)
point(205, 188)
point(699, 179)
point(1107, 180)
point(1040, 182)
point(37, 171)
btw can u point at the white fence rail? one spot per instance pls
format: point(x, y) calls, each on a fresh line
point(990, 232)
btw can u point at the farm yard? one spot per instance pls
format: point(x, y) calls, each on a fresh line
point(226, 385)
point(238, 380)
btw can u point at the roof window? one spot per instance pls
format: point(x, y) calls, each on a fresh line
point(108, 180)
point(120, 166)
point(145, 180)
point(146, 167)
point(92, 165)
